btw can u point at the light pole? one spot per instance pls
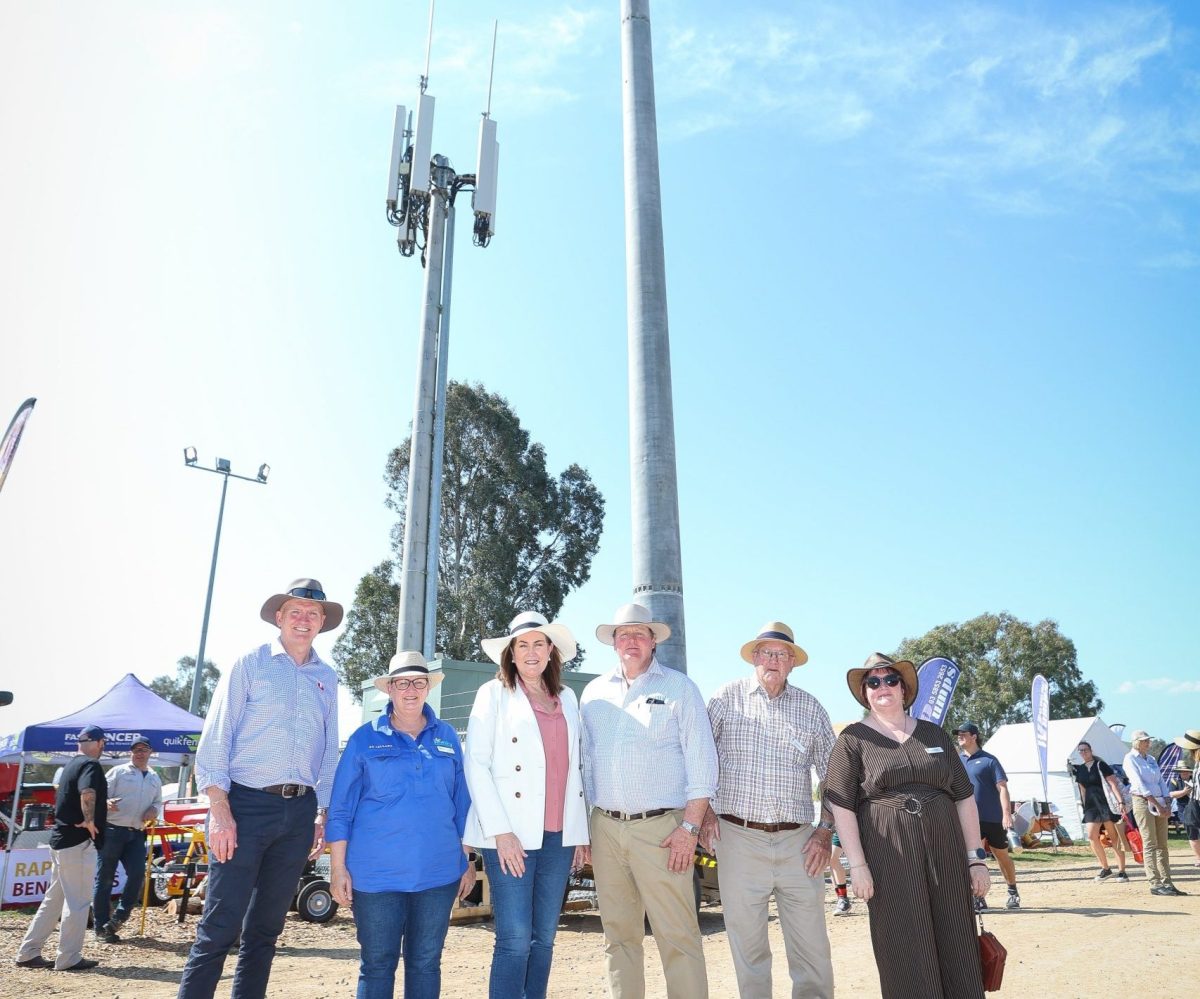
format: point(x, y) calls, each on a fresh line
point(224, 469)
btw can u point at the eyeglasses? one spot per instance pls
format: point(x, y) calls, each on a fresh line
point(420, 683)
point(304, 593)
point(82, 741)
point(774, 655)
point(891, 680)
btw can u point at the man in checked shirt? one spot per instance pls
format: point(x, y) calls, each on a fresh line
point(649, 770)
point(266, 761)
point(770, 735)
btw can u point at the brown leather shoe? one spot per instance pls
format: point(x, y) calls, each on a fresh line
point(37, 961)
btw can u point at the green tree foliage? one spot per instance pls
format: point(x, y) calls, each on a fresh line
point(178, 689)
point(368, 642)
point(999, 656)
point(513, 537)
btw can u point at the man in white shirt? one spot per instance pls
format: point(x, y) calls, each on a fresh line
point(1151, 808)
point(649, 770)
point(134, 798)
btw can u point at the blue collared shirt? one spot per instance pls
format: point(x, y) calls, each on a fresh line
point(139, 790)
point(272, 722)
point(401, 806)
point(1144, 776)
point(648, 745)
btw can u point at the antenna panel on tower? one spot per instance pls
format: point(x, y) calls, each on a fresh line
point(486, 168)
point(422, 144)
point(397, 155)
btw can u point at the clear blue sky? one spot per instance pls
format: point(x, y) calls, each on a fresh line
point(933, 298)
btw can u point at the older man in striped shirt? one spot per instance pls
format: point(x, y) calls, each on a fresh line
point(649, 770)
point(770, 736)
point(266, 761)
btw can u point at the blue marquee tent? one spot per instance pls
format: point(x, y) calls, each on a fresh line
point(129, 711)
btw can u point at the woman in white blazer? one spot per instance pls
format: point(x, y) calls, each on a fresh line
point(528, 814)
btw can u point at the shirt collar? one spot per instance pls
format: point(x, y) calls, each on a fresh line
point(277, 649)
point(618, 675)
point(384, 722)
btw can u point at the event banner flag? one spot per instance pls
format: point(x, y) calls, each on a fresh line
point(1168, 759)
point(936, 680)
point(1040, 703)
point(12, 437)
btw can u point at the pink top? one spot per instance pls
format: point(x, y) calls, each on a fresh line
point(552, 725)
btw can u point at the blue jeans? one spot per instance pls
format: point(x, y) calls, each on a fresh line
point(417, 919)
point(526, 911)
point(128, 846)
point(251, 892)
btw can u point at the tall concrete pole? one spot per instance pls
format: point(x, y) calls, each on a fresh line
point(657, 567)
point(410, 633)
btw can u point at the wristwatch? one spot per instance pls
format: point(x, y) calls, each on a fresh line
point(824, 825)
point(977, 854)
point(690, 828)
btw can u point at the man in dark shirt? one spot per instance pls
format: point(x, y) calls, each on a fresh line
point(80, 811)
point(992, 800)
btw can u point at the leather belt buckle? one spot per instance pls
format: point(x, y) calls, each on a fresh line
point(912, 806)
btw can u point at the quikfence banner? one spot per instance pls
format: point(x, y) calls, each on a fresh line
point(1039, 702)
point(936, 680)
point(1168, 759)
point(12, 437)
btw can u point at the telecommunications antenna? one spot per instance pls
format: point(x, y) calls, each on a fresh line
point(428, 47)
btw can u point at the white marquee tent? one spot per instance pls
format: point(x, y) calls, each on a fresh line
point(1015, 748)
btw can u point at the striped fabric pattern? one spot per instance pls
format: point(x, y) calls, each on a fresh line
point(272, 722)
point(922, 916)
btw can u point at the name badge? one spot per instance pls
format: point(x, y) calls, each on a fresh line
point(446, 749)
point(799, 745)
point(934, 749)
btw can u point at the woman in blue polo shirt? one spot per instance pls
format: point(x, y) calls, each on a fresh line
point(395, 829)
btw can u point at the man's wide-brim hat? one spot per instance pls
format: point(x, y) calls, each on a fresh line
point(1189, 740)
point(529, 621)
point(877, 660)
point(411, 664)
point(633, 614)
point(304, 589)
point(774, 631)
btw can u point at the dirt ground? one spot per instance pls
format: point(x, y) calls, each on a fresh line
point(1061, 943)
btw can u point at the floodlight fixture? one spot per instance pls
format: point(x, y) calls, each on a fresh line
point(263, 471)
point(224, 466)
point(189, 456)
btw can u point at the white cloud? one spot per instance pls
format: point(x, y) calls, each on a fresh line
point(1160, 685)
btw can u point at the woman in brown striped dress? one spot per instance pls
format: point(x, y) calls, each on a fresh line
point(906, 818)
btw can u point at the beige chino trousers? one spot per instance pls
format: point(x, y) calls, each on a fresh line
point(751, 867)
point(632, 880)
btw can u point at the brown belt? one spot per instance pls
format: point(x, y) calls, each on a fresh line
point(634, 816)
point(287, 790)
point(763, 826)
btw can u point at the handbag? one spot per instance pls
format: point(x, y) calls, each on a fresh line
point(992, 956)
point(1190, 816)
point(1135, 839)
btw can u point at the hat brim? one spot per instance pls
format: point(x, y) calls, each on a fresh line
point(748, 650)
point(333, 611)
point(660, 631)
point(434, 676)
point(1184, 742)
point(559, 634)
point(908, 677)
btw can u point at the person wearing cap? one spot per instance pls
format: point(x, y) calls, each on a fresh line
point(770, 736)
point(1151, 811)
point(649, 770)
point(528, 814)
point(266, 760)
point(1103, 808)
point(134, 799)
point(395, 830)
point(80, 813)
point(993, 803)
point(906, 816)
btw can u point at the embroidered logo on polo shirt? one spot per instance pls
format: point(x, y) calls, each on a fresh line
point(444, 746)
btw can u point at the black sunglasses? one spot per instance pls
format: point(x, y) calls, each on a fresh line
point(892, 680)
point(304, 593)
